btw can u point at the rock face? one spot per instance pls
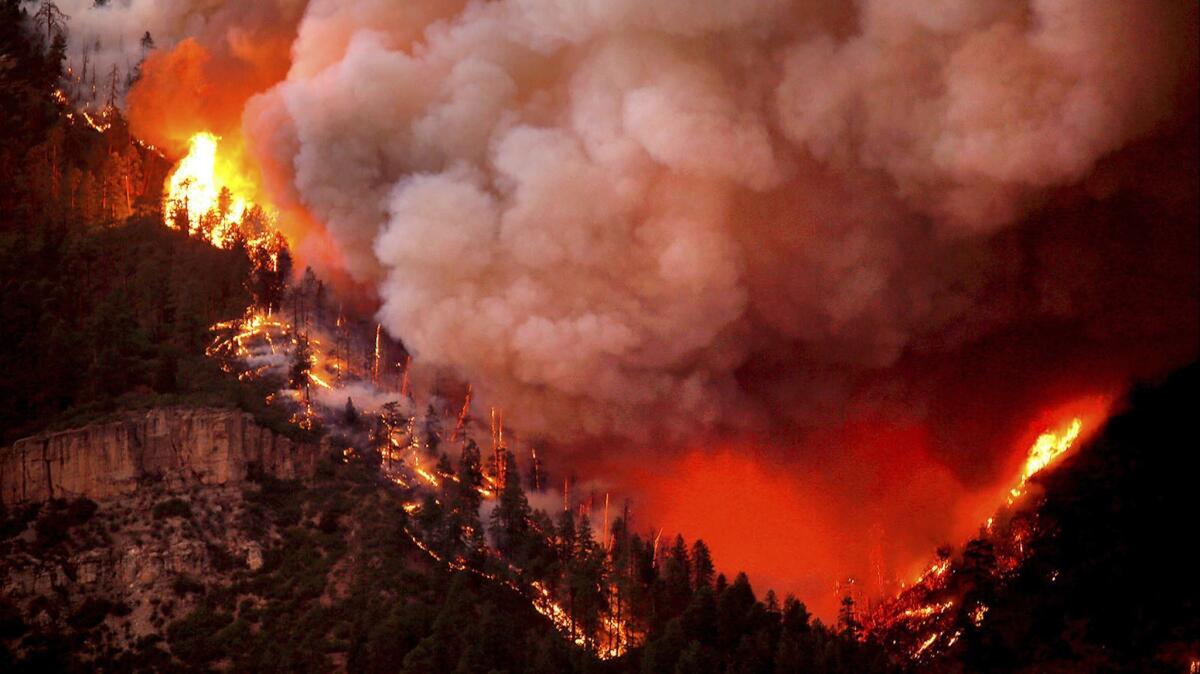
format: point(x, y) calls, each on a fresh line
point(177, 446)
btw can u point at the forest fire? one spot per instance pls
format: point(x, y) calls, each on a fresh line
point(194, 187)
point(813, 289)
point(201, 195)
point(199, 198)
point(921, 617)
point(1048, 448)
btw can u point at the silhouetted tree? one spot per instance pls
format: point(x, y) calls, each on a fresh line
point(350, 415)
point(300, 364)
point(702, 565)
point(848, 621)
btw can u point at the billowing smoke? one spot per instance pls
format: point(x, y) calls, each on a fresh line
point(609, 215)
point(887, 234)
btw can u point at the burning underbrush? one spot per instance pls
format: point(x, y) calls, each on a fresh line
point(343, 376)
point(409, 445)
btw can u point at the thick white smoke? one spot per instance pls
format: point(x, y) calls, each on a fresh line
point(602, 212)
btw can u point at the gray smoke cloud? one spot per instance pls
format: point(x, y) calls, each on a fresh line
point(612, 215)
point(110, 34)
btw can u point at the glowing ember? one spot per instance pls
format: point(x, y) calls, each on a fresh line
point(926, 644)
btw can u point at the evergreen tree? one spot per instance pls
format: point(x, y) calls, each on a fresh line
point(300, 364)
point(586, 580)
point(848, 621)
point(52, 19)
point(470, 477)
point(510, 519)
point(702, 565)
point(350, 415)
point(432, 429)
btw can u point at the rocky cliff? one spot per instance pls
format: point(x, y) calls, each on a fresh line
point(177, 446)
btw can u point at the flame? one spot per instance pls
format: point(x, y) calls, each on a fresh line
point(195, 186)
point(1048, 447)
point(922, 609)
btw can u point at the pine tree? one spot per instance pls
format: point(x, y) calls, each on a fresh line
point(147, 43)
point(301, 364)
point(350, 416)
point(470, 477)
point(565, 535)
point(702, 565)
point(848, 621)
point(114, 90)
point(432, 429)
point(676, 577)
point(510, 520)
point(53, 18)
point(586, 580)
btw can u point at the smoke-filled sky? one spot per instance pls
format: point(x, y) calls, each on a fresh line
point(848, 250)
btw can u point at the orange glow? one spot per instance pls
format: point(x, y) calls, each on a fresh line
point(194, 88)
point(185, 89)
point(784, 533)
point(196, 184)
point(869, 501)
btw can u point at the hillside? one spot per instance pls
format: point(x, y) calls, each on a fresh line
point(1094, 576)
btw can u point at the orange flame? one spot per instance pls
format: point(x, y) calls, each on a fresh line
point(1048, 447)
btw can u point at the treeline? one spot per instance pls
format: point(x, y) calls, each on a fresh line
point(55, 162)
point(676, 614)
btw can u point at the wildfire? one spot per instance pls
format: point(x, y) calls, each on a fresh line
point(1045, 450)
point(200, 194)
point(920, 615)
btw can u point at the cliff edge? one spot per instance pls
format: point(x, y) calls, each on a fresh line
point(177, 446)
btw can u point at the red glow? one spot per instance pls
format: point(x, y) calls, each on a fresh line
point(867, 500)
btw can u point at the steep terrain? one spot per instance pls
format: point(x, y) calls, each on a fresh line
point(1092, 576)
point(176, 446)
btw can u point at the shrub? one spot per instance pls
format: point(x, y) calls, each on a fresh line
point(11, 624)
point(120, 609)
point(81, 510)
point(52, 528)
point(91, 613)
point(185, 585)
point(172, 507)
point(194, 639)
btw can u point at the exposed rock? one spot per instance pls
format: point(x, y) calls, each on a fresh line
point(153, 566)
point(177, 446)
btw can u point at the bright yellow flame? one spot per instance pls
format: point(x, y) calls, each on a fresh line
point(195, 185)
point(1045, 450)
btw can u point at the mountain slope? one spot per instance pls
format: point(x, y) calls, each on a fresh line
point(1096, 576)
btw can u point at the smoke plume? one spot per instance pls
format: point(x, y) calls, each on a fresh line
point(614, 216)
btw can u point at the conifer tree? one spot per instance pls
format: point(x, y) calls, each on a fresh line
point(510, 520)
point(702, 565)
